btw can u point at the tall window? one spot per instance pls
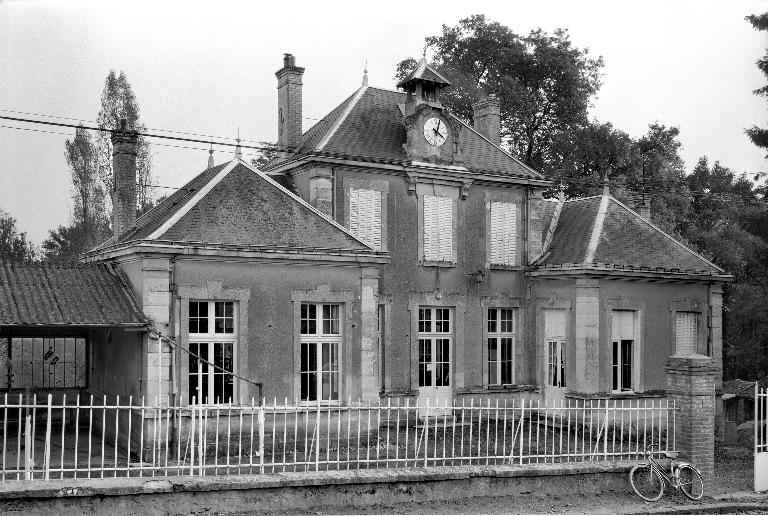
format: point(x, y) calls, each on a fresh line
point(438, 228)
point(212, 337)
point(434, 347)
point(365, 216)
point(501, 346)
point(554, 335)
point(686, 333)
point(503, 233)
point(623, 338)
point(320, 348)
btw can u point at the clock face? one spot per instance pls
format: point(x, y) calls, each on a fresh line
point(435, 131)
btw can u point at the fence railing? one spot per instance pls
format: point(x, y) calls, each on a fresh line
point(114, 438)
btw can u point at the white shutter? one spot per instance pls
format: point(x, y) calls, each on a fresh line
point(430, 228)
point(503, 233)
point(365, 216)
point(445, 229)
point(685, 333)
point(554, 323)
point(623, 325)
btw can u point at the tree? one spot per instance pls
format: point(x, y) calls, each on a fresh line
point(88, 192)
point(267, 153)
point(118, 101)
point(759, 136)
point(544, 83)
point(14, 246)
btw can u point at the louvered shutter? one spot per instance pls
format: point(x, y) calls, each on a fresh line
point(445, 229)
point(686, 333)
point(503, 233)
point(365, 216)
point(430, 228)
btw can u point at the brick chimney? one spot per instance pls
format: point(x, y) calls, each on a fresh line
point(487, 118)
point(643, 206)
point(289, 103)
point(124, 144)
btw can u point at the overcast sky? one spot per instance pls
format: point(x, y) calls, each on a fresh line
point(209, 68)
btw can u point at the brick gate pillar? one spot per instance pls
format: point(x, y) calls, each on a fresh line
point(691, 385)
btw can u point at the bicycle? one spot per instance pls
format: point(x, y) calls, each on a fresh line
point(649, 478)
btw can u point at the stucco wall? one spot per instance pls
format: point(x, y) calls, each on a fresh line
point(269, 353)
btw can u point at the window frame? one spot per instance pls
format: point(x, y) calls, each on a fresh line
point(212, 339)
point(499, 334)
point(433, 335)
point(319, 338)
point(617, 364)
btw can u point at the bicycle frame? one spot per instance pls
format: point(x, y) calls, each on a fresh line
point(669, 477)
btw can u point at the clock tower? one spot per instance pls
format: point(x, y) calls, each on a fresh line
point(431, 133)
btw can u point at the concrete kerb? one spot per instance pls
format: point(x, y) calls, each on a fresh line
point(709, 508)
point(73, 488)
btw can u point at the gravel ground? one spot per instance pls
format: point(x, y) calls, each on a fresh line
point(733, 468)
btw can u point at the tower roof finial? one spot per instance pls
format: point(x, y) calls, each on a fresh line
point(238, 150)
point(365, 74)
point(210, 156)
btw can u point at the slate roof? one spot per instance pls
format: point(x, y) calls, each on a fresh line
point(234, 204)
point(66, 295)
point(369, 125)
point(623, 239)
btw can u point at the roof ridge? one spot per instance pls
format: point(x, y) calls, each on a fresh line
point(597, 230)
point(520, 162)
point(321, 120)
point(303, 202)
point(670, 237)
point(192, 202)
point(347, 110)
point(577, 199)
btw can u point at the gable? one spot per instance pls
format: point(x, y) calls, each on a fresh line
point(244, 208)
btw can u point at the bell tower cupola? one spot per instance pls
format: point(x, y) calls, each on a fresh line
point(422, 86)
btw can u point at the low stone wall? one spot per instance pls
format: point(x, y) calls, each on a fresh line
point(297, 492)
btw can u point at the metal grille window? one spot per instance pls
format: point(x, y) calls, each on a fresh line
point(212, 337)
point(365, 216)
point(503, 233)
point(320, 331)
point(623, 339)
point(686, 331)
point(501, 346)
point(43, 362)
point(438, 228)
point(435, 347)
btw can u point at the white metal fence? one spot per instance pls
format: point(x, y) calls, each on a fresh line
point(114, 438)
point(761, 439)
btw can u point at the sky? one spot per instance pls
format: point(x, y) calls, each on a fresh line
point(208, 68)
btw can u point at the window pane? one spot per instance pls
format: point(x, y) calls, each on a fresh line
point(442, 320)
point(615, 366)
point(492, 320)
point(330, 319)
point(626, 365)
point(308, 319)
point(425, 363)
point(562, 364)
point(425, 320)
point(492, 361)
point(507, 320)
point(507, 360)
point(224, 319)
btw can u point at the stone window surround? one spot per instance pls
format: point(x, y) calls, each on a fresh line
point(322, 294)
point(689, 305)
point(639, 307)
point(368, 184)
point(385, 301)
point(556, 303)
point(512, 197)
point(457, 302)
point(440, 190)
point(215, 291)
point(503, 301)
point(322, 173)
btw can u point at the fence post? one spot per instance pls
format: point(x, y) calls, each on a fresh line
point(28, 447)
point(191, 439)
point(691, 386)
point(261, 440)
point(47, 460)
point(605, 434)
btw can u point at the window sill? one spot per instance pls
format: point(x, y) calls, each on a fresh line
point(429, 263)
point(626, 395)
point(500, 388)
point(502, 267)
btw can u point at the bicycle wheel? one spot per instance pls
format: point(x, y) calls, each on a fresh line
point(691, 482)
point(646, 482)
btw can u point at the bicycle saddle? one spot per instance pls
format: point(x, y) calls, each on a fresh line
point(671, 454)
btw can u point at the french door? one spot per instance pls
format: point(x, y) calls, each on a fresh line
point(435, 348)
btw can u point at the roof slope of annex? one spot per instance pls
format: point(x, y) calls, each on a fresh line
point(602, 231)
point(235, 204)
point(66, 295)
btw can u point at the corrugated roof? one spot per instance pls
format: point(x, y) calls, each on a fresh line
point(374, 129)
point(71, 295)
point(624, 239)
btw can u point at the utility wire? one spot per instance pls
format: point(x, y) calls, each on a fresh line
point(584, 181)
